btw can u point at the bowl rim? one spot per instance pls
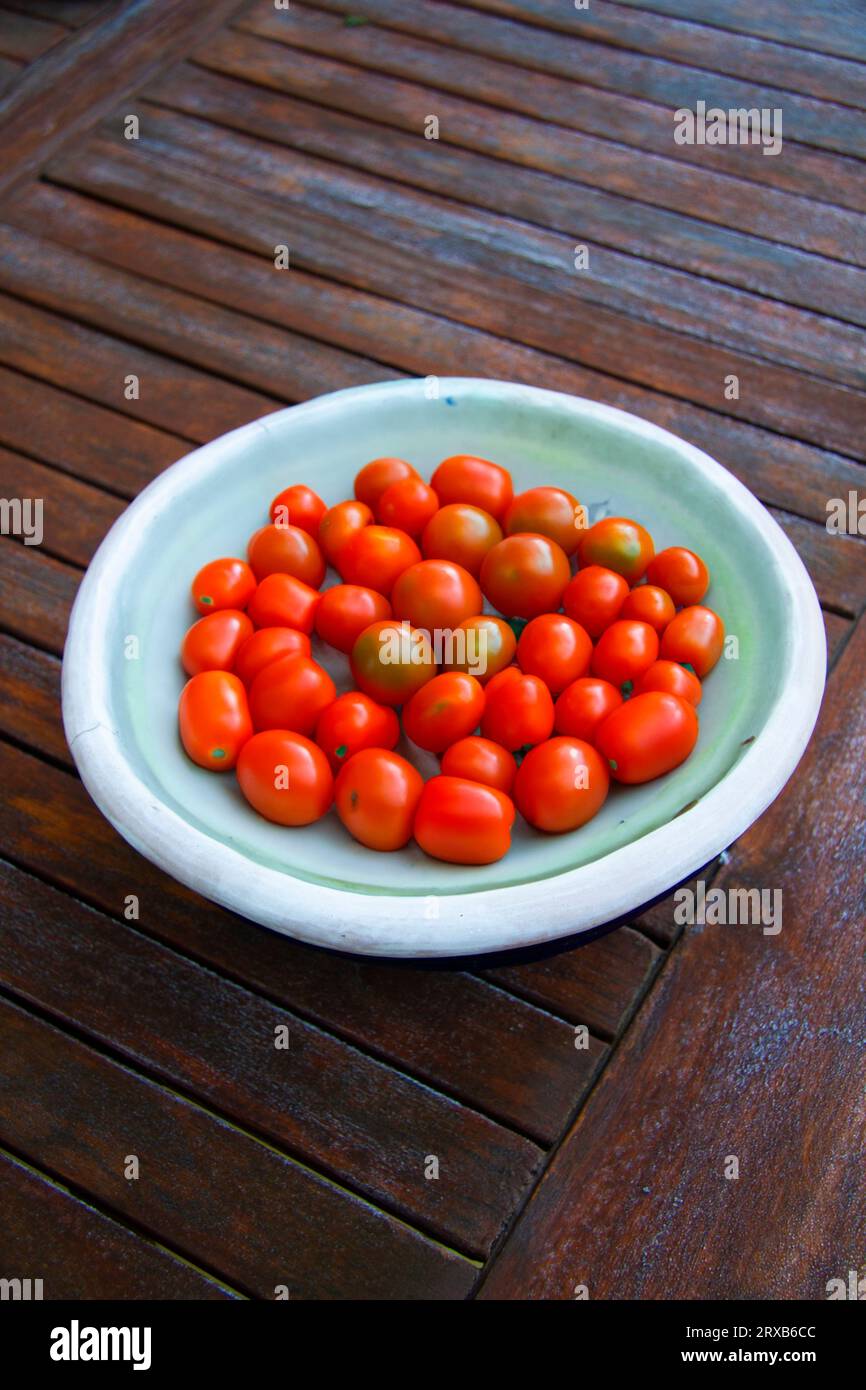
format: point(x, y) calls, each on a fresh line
point(453, 924)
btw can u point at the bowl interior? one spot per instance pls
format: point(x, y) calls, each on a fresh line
point(604, 459)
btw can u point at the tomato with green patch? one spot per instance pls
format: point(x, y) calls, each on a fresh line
point(696, 638)
point(376, 797)
point(214, 719)
point(353, 722)
point(391, 660)
point(620, 544)
point(447, 708)
point(648, 736)
point(225, 583)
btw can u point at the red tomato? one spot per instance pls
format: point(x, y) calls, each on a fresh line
point(339, 524)
point(695, 638)
point(648, 736)
point(285, 777)
point(464, 478)
point(525, 575)
point(547, 511)
point(554, 648)
point(375, 477)
point(619, 544)
point(436, 594)
point(463, 822)
point(594, 597)
point(223, 584)
point(483, 646)
point(649, 604)
point(480, 760)
point(267, 645)
point(351, 723)
point(583, 706)
point(561, 784)
point(518, 710)
point(345, 610)
point(444, 710)
point(461, 533)
point(376, 556)
point(290, 694)
point(390, 661)
point(212, 644)
point(377, 794)
point(286, 550)
point(682, 573)
point(214, 719)
point(281, 600)
point(672, 678)
point(624, 651)
point(407, 504)
point(298, 506)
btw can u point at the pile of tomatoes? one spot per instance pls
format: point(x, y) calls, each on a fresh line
point(589, 668)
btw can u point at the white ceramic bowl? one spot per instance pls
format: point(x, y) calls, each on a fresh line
point(317, 883)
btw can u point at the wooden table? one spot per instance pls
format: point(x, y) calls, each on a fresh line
point(261, 1171)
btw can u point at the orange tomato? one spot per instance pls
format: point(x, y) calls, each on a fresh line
point(624, 651)
point(339, 524)
point(290, 694)
point(376, 556)
point(376, 797)
point(696, 638)
point(618, 544)
point(409, 504)
point(673, 678)
point(649, 604)
point(285, 777)
point(682, 573)
point(353, 722)
point(463, 822)
point(265, 646)
point(483, 646)
point(436, 594)
point(345, 610)
point(461, 533)
point(480, 760)
point(648, 736)
point(555, 648)
point(214, 719)
point(444, 710)
point(281, 600)
point(298, 506)
point(525, 575)
point(518, 710)
point(375, 477)
point(223, 584)
point(583, 706)
point(286, 550)
point(547, 511)
point(465, 478)
point(561, 784)
point(594, 598)
point(212, 644)
point(391, 660)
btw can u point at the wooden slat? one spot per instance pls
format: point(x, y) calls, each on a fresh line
point(25, 36)
point(830, 27)
point(660, 180)
point(618, 96)
point(297, 1231)
point(72, 84)
point(78, 1252)
point(347, 1114)
point(750, 1045)
point(36, 594)
point(683, 41)
point(669, 238)
point(172, 396)
point(836, 563)
point(30, 698)
point(74, 13)
point(837, 631)
point(653, 293)
point(75, 517)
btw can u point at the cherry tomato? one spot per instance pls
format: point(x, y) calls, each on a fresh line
point(555, 648)
point(682, 573)
point(463, 822)
point(345, 610)
point(339, 524)
point(561, 784)
point(223, 584)
point(286, 550)
point(624, 651)
point(212, 644)
point(436, 594)
point(525, 575)
point(444, 710)
point(649, 604)
point(518, 710)
point(594, 597)
point(547, 511)
point(281, 600)
point(695, 638)
point(583, 706)
point(353, 722)
point(464, 478)
point(376, 556)
point(290, 694)
point(409, 504)
point(214, 719)
point(285, 777)
point(648, 736)
point(267, 645)
point(483, 646)
point(619, 544)
point(672, 678)
point(377, 794)
point(378, 475)
point(391, 660)
point(480, 760)
point(299, 506)
point(461, 533)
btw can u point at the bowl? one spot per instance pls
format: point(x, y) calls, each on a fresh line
point(122, 677)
